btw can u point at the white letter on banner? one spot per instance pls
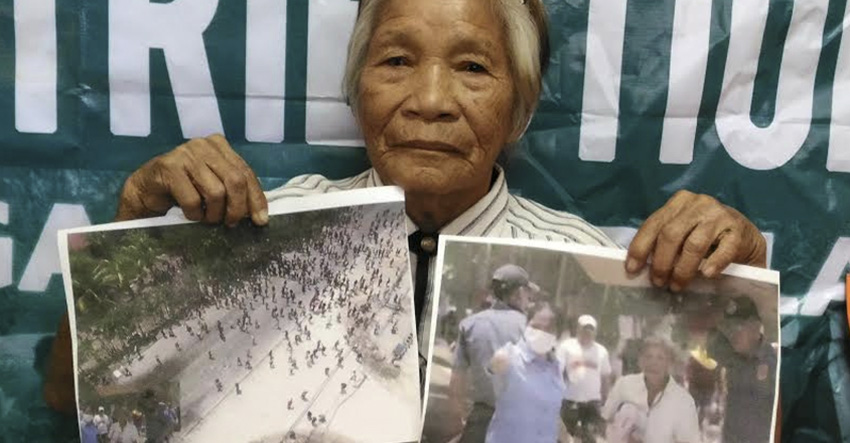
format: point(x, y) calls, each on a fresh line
point(265, 70)
point(838, 158)
point(136, 26)
point(35, 66)
point(603, 67)
point(829, 284)
point(688, 62)
point(773, 146)
point(6, 249)
point(329, 119)
point(44, 261)
point(606, 27)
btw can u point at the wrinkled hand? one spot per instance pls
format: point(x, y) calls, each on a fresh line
point(205, 177)
point(694, 233)
point(210, 183)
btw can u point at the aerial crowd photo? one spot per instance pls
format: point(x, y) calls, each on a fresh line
point(538, 342)
point(299, 331)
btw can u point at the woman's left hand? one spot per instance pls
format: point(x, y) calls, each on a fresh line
point(694, 233)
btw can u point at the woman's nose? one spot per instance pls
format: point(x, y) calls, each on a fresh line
point(432, 96)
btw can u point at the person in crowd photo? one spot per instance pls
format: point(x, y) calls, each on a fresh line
point(102, 422)
point(88, 429)
point(528, 382)
point(750, 362)
point(480, 336)
point(587, 374)
point(651, 407)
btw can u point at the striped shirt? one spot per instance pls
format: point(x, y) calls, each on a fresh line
point(497, 214)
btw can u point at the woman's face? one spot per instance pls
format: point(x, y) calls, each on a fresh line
point(655, 362)
point(436, 94)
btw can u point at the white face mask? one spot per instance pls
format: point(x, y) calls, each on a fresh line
point(539, 341)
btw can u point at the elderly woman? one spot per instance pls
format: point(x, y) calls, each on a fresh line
point(439, 88)
point(651, 407)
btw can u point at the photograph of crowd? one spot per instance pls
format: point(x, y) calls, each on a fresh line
point(299, 331)
point(539, 342)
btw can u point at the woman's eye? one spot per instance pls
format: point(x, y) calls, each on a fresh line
point(396, 61)
point(474, 68)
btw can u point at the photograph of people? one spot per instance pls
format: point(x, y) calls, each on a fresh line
point(528, 383)
point(558, 343)
point(441, 90)
point(651, 407)
point(310, 327)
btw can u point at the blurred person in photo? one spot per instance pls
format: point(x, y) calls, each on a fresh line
point(651, 407)
point(529, 386)
point(750, 361)
point(480, 336)
point(587, 374)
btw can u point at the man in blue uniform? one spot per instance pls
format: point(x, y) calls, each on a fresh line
point(479, 336)
point(750, 363)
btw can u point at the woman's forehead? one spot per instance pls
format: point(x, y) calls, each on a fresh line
point(656, 350)
point(442, 13)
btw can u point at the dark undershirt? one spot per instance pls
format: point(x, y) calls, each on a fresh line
point(424, 245)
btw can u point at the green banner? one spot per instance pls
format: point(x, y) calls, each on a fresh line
point(747, 101)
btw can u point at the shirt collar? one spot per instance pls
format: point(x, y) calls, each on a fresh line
point(476, 220)
point(667, 387)
point(499, 305)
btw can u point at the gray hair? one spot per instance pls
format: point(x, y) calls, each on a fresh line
point(524, 23)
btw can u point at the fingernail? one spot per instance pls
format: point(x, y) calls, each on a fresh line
point(675, 287)
point(262, 218)
point(709, 271)
point(632, 265)
point(658, 281)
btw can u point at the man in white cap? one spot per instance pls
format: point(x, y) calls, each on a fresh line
point(587, 374)
point(102, 422)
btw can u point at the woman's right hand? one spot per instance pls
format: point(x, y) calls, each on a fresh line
point(205, 177)
point(210, 183)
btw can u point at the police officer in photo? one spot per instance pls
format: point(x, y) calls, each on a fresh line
point(750, 363)
point(479, 336)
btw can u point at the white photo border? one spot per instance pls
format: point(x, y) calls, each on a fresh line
point(734, 270)
point(284, 206)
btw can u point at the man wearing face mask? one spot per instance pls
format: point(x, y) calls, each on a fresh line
point(528, 383)
point(479, 336)
point(88, 430)
point(587, 373)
